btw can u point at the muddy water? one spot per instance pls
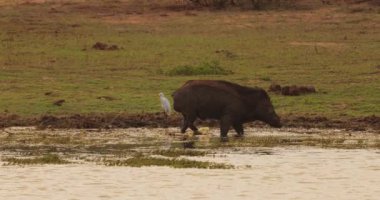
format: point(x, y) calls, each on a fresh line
point(285, 172)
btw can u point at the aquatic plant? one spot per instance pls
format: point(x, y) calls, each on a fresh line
point(141, 161)
point(178, 152)
point(45, 159)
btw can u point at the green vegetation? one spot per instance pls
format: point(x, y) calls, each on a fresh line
point(178, 152)
point(175, 163)
point(212, 68)
point(46, 159)
point(46, 55)
point(276, 141)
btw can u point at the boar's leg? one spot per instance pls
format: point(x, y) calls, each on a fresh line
point(188, 121)
point(184, 124)
point(225, 124)
point(239, 129)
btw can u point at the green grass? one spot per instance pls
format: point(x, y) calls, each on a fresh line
point(46, 159)
point(212, 68)
point(173, 162)
point(280, 141)
point(178, 152)
point(47, 48)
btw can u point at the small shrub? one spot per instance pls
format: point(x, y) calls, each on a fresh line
point(207, 68)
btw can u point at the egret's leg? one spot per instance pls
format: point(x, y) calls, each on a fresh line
point(239, 129)
point(165, 115)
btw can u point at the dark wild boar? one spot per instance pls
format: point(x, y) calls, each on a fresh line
point(230, 103)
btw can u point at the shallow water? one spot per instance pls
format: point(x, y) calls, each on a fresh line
point(283, 172)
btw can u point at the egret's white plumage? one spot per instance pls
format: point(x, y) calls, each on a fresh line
point(165, 104)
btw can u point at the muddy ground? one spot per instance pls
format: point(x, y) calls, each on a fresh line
point(31, 141)
point(155, 120)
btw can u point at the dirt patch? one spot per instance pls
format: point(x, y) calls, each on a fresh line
point(226, 53)
point(48, 93)
point(9, 120)
point(59, 102)
point(292, 90)
point(153, 17)
point(108, 121)
point(318, 44)
point(6, 2)
point(105, 47)
point(107, 98)
point(356, 124)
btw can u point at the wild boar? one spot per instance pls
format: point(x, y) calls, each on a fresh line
point(228, 102)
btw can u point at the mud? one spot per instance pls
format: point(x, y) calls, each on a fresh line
point(59, 102)
point(105, 47)
point(8, 120)
point(169, 142)
point(109, 121)
point(226, 53)
point(356, 124)
point(48, 93)
point(292, 90)
point(107, 98)
point(154, 120)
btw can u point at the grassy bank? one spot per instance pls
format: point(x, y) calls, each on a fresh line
point(46, 55)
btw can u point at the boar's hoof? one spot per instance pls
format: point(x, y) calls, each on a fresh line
point(197, 133)
point(224, 139)
point(239, 136)
point(188, 145)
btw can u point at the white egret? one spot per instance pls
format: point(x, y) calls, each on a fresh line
point(165, 104)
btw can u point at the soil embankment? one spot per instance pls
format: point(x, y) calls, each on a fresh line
point(152, 120)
